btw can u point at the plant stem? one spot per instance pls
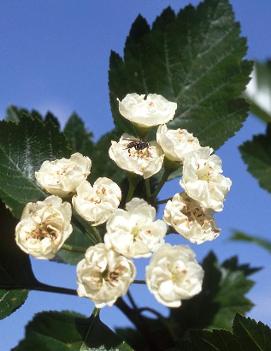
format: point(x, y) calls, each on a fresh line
point(163, 201)
point(139, 282)
point(131, 299)
point(95, 312)
point(42, 287)
point(148, 189)
point(132, 179)
point(148, 309)
point(140, 323)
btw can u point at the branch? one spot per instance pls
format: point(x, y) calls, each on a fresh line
point(42, 287)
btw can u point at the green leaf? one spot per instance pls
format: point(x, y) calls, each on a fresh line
point(10, 301)
point(256, 153)
point(78, 137)
point(252, 335)
point(63, 331)
point(258, 91)
point(248, 335)
point(15, 267)
point(23, 148)
point(14, 114)
point(194, 58)
point(241, 236)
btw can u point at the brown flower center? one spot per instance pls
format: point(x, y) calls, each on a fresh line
point(43, 231)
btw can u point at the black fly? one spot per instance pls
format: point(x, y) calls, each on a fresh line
point(137, 144)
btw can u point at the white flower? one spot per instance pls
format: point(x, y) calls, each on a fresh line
point(44, 226)
point(135, 232)
point(98, 202)
point(61, 177)
point(147, 111)
point(202, 179)
point(104, 275)
point(146, 161)
point(174, 275)
point(176, 143)
point(190, 220)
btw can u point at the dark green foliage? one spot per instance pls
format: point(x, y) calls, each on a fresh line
point(247, 335)
point(222, 296)
point(63, 331)
point(78, 137)
point(256, 153)
point(241, 236)
point(194, 58)
point(259, 96)
point(23, 147)
point(15, 267)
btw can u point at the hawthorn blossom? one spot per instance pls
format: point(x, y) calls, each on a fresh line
point(202, 179)
point(145, 161)
point(134, 232)
point(176, 143)
point(104, 275)
point(174, 275)
point(62, 176)
point(187, 217)
point(97, 203)
point(44, 227)
point(147, 110)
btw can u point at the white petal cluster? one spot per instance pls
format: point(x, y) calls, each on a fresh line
point(104, 275)
point(176, 143)
point(61, 177)
point(147, 110)
point(145, 162)
point(202, 179)
point(44, 226)
point(134, 232)
point(97, 203)
point(190, 220)
point(174, 275)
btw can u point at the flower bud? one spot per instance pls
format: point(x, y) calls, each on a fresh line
point(97, 203)
point(61, 177)
point(147, 110)
point(190, 220)
point(136, 156)
point(104, 275)
point(44, 227)
point(135, 232)
point(174, 275)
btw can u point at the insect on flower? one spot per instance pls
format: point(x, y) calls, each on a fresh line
point(137, 144)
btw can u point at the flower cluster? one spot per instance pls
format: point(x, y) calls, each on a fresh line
point(132, 230)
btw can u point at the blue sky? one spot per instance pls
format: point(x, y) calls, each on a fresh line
point(54, 56)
